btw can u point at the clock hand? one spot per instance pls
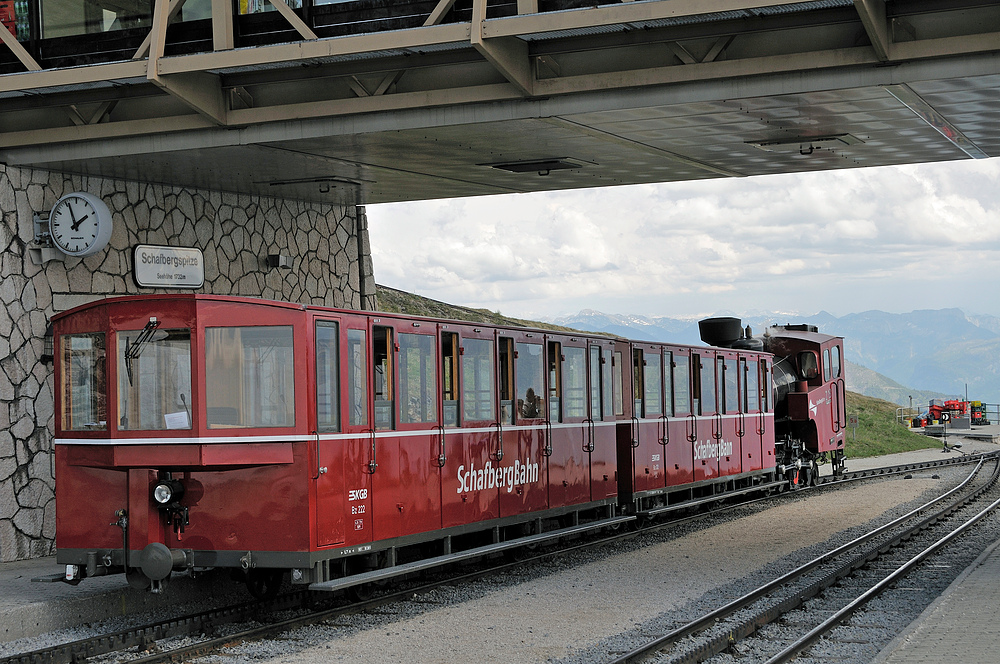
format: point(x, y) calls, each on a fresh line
point(76, 225)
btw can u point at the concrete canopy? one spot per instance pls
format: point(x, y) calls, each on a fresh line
point(550, 97)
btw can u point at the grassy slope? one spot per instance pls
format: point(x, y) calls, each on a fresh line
point(878, 432)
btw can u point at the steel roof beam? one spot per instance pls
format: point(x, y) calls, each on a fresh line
point(509, 55)
point(20, 53)
point(872, 13)
point(200, 91)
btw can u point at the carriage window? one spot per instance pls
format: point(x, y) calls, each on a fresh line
point(327, 377)
point(357, 377)
point(618, 382)
point(707, 385)
point(449, 374)
point(506, 360)
point(682, 385)
point(249, 377)
point(750, 386)
point(767, 387)
point(638, 390)
point(417, 379)
point(606, 389)
point(596, 384)
point(575, 382)
point(84, 382)
point(382, 381)
point(668, 387)
point(154, 379)
point(653, 385)
point(477, 380)
point(836, 362)
point(826, 364)
point(531, 382)
point(732, 392)
point(555, 381)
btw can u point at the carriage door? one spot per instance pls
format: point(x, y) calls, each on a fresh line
point(750, 414)
point(340, 367)
point(358, 443)
point(524, 414)
point(330, 493)
point(708, 425)
point(603, 456)
point(730, 443)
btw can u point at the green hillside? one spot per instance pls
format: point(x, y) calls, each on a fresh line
point(392, 301)
point(878, 432)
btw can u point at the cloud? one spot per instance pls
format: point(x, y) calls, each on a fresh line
point(844, 241)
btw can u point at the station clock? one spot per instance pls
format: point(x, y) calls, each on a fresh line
point(80, 224)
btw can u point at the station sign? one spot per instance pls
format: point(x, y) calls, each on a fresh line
point(168, 267)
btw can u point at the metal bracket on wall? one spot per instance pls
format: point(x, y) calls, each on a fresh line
point(43, 250)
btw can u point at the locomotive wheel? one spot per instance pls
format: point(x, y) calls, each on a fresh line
point(264, 583)
point(136, 579)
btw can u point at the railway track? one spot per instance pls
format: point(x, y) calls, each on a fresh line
point(861, 570)
point(198, 634)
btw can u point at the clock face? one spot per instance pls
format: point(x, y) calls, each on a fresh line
point(80, 224)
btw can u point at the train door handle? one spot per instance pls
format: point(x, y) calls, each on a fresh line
point(442, 457)
point(635, 431)
point(373, 462)
point(499, 453)
point(547, 450)
point(665, 438)
point(588, 443)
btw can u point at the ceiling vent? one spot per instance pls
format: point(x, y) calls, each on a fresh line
point(806, 144)
point(540, 166)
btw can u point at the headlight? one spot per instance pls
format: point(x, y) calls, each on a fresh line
point(167, 491)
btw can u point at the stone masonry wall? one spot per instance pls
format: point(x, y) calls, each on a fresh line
point(331, 265)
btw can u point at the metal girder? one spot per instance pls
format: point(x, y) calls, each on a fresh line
point(200, 91)
point(222, 25)
point(872, 13)
point(143, 50)
point(15, 46)
point(300, 26)
point(508, 54)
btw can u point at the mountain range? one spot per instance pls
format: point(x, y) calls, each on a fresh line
point(922, 354)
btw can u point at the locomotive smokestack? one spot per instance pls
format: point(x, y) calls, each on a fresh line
point(722, 332)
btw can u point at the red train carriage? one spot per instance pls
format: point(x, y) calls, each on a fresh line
point(699, 424)
point(203, 431)
point(212, 431)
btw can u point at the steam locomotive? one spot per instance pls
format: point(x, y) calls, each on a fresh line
point(339, 447)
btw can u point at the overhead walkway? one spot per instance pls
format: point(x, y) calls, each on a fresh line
point(370, 101)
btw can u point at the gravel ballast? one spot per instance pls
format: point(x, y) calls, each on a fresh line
point(575, 608)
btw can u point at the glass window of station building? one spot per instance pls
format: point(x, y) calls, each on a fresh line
point(66, 18)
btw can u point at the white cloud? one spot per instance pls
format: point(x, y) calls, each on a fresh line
point(889, 238)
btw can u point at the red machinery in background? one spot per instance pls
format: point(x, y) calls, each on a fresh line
point(947, 410)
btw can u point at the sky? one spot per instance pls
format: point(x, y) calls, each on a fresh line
point(895, 239)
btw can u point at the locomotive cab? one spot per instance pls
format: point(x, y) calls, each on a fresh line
point(810, 410)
